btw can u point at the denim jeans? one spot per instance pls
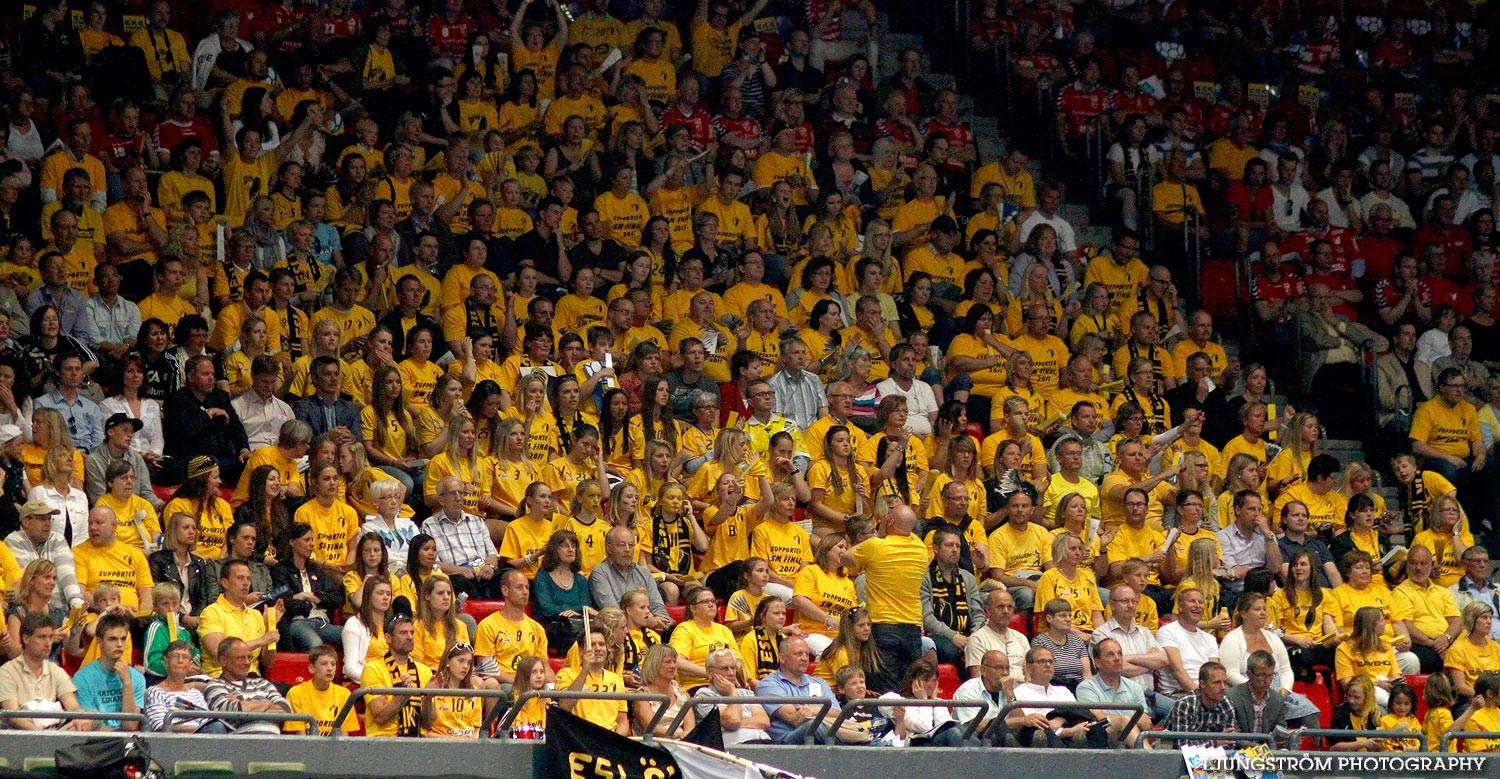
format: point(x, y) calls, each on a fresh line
point(305, 634)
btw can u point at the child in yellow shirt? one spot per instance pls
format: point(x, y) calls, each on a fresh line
point(1439, 698)
point(1402, 716)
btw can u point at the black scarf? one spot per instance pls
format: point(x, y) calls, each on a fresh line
point(950, 600)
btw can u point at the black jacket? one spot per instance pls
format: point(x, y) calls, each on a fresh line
point(163, 565)
point(193, 432)
point(328, 588)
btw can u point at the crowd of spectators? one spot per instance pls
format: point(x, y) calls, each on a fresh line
point(697, 353)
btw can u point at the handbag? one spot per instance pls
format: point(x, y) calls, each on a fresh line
point(96, 757)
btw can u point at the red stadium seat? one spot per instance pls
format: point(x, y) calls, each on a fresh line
point(165, 493)
point(557, 663)
point(948, 680)
point(1317, 692)
point(1020, 623)
point(1418, 684)
point(479, 609)
point(678, 613)
point(290, 668)
point(1220, 294)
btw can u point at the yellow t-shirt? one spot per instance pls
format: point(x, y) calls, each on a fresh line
point(523, 536)
point(1379, 664)
point(508, 641)
point(1298, 619)
point(694, 643)
point(334, 527)
point(623, 216)
point(784, 545)
point(1081, 591)
point(1343, 601)
point(729, 540)
point(431, 644)
point(1130, 542)
point(605, 714)
point(324, 705)
point(893, 566)
point(1448, 429)
point(125, 527)
point(1014, 550)
point(379, 673)
point(832, 593)
point(269, 455)
point(213, 523)
point(119, 564)
point(243, 623)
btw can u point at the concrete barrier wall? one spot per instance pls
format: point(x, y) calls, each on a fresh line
point(494, 759)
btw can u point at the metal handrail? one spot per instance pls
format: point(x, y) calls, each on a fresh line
point(578, 695)
point(421, 692)
point(915, 703)
point(725, 700)
point(241, 716)
point(1182, 735)
point(1405, 735)
point(1465, 735)
point(1136, 710)
point(98, 716)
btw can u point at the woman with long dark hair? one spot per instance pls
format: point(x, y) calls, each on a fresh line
point(313, 594)
point(199, 497)
point(562, 592)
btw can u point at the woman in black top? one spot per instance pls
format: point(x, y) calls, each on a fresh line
point(314, 592)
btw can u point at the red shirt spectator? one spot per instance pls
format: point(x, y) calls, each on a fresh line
point(1277, 284)
point(1336, 282)
point(1455, 241)
point(1379, 252)
point(1345, 247)
point(1249, 204)
point(449, 31)
point(701, 126)
point(263, 24)
point(1082, 103)
point(740, 127)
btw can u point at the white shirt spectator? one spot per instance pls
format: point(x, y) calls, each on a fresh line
point(1432, 346)
point(72, 521)
point(1065, 238)
point(1001, 639)
point(974, 690)
point(1286, 209)
point(919, 403)
point(1196, 648)
point(206, 54)
point(1026, 692)
point(112, 324)
point(149, 437)
point(740, 735)
point(262, 418)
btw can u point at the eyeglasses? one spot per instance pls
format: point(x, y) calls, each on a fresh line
point(764, 394)
point(460, 647)
point(706, 602)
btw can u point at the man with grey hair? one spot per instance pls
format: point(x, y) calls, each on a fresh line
point(790, 722)
point(620, 573)
point(237, 689)
point(1141, 655)
point(741, 722)
point(465, 551)
point(799, 393)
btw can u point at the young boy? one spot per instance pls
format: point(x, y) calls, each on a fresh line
point(1136, 572)
point(166, 601)
point(319, 696)
point(105, 600)
point(601, 342)
point(866, 726)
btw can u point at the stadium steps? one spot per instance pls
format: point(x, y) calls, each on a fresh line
point(1345, 450)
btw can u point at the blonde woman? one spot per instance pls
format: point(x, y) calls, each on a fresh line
point(1301, 440)
point(513, 469)
point(359, 478)
point(438, 416)
point(731, 455)
point(49, 430)
point(1069, 581)
point(1359, 479)
point(58, 490)
point(461, 459)
point(1447, 539)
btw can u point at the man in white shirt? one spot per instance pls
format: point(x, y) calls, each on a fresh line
point(1187, 647)
point(113, 320)
point(996, 635)
point(799, 394)
point(921, 403)
point(261, 412)
point(1033, 727)
point(993, 685)
point(1142, 654)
